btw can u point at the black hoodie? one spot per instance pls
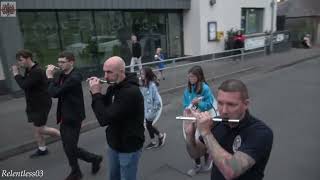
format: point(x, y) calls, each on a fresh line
point(121, 109)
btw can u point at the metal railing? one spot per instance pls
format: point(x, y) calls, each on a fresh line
point(176, 69)
point(215, 64)
point(188, 58)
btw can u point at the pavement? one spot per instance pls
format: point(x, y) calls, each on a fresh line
point(17, 137)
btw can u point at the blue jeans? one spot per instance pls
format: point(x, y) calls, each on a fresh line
point(123, 166)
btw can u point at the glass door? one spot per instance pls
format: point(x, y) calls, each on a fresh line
point(174, 35)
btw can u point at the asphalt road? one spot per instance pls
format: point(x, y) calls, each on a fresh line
point(286, 99)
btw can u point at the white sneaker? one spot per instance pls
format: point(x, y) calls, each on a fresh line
point(162, 139)
point(194, 171)
point(207, 167)
point(151, 145)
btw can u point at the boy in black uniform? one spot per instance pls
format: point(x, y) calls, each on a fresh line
point(35, 86)
point(70, 113)
point(239, 150)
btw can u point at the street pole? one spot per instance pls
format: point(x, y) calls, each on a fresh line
point(272, 4)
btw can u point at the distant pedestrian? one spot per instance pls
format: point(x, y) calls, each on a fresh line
point(35, 86)
point(136, 54)
point(198, 96)
point(152, 106)
point(159, 57)
point(306, 42)
point(70, 113)
point(238, 39)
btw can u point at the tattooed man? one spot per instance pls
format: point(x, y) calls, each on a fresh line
point(239, 150)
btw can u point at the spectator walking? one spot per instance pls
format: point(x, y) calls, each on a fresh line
point(136, 54)
point(152, 106)
point(197, 96)
point(159, 57)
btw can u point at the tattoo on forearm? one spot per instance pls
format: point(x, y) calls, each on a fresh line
point(230, 166)
point(234, 165)
point(240, 162)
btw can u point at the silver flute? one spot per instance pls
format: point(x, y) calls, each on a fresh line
point(217, 119)
point(102, 81)
point(55, 68)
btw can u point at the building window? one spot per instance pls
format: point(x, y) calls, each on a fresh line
point(40, 35)
point(76, 29)
point(94, 36)
point(151, 29)
point(252, 20)
point(113, 32)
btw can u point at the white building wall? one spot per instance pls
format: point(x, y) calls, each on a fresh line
point(191, 29)
point(226, 13)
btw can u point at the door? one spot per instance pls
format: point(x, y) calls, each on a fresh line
point(174, 35)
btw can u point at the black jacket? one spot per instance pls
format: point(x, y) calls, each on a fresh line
point(136, 50)
point(35, 86)
point(68, 89)
point(122, 110)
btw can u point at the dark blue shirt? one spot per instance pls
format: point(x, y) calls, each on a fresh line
point(252, 137)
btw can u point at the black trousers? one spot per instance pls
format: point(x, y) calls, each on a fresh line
point(151, 129)
point(70, 137)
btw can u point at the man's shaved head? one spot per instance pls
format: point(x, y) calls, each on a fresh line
point(115, 62)
point(114, 69)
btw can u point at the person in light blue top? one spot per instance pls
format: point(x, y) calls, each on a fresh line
point(160, 58)
point(198, 96)
point(152, 105)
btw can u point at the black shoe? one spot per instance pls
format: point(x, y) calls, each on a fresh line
point(151, 145)
point(74, 176)
point(162, 139)
point(96, 165)
point(39, 153)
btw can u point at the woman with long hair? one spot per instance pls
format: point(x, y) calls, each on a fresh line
point(152, 105)
point(197, 96)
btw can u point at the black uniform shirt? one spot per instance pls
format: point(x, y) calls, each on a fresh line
point(252, 137)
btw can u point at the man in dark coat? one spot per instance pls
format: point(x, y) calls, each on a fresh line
point(35, 86)
point(121, 109)
point(70, 113)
